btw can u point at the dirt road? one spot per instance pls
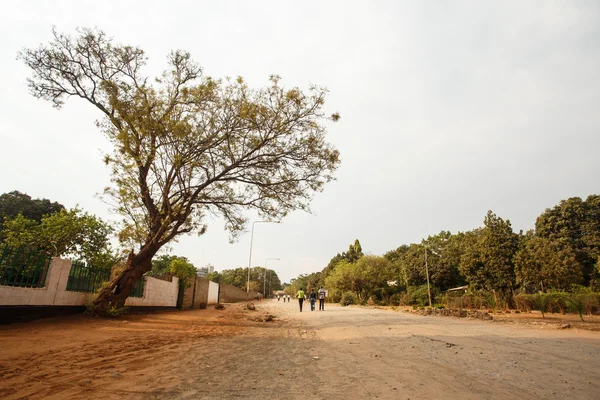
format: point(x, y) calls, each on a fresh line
point(231, 354)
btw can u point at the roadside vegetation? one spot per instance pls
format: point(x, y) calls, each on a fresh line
point(551, 268)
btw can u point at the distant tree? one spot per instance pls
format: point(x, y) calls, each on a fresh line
point(161, 265)
point(363, 278)
point(547, 263)
point(443, 260)
point(15, 203)
point(186, 145)
point(575, 223)
point(354, 252)
point(183, 269)
point(214, 276)
point(259, 279)
point(488, 263)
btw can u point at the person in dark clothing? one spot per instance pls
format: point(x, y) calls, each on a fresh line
point(313, 299)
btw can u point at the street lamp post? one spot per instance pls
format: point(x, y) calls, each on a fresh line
point(250, 258)
point(427, 273)
point(265, 277)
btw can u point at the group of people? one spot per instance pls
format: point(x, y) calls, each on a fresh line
point(313, 298)
point(284, 296)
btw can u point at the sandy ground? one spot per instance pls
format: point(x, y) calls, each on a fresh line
point(231, 354)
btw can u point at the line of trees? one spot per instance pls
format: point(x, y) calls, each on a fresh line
point(493, 261)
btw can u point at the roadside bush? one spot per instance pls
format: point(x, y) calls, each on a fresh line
point(372, 301)
point(525, 302)
point(557, 301)
point(454, 301)
point(347, 299)
point(576, 304)
point(395, 299)
point(334, 297)
point(590, 300)
point(541, 303)
point(418, 295)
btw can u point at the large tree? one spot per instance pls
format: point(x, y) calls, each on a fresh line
point(186, 145)
point(488, 261)
point(551, 264)
point(575, 223)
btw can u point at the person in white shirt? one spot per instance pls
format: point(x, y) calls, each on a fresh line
point(321, 294)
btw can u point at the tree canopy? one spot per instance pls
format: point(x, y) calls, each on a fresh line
point(66, 233)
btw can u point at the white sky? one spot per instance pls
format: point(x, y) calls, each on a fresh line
point(448, 108)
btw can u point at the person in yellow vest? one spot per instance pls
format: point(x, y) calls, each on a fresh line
point(300, 296)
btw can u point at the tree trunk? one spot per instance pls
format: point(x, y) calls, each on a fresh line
point(115, 294)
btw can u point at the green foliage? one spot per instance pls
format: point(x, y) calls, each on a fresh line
point(348, 298)
point(259, 279)
point(488, 262)
point(525, 302)
point(574, 223)
point(541, 303)
point(182, 269)
point(576, 303)
point(551, 263)
point(71, 233)
point(557, 301)
point(16, 203)
point(114, 311)
point(493, 261)
point(418, 296)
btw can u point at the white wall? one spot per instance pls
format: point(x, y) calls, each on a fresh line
point(157, 293)
point(213, 293)
point(54, 293)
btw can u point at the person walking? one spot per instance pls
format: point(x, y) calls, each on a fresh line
point(284, 298)
point(313, 299)
point(277, 297)
point(322, 293)
point(288, 298)
point(300, 296)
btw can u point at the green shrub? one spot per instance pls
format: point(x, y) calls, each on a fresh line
point(576, 303)
point(541, 303)
point(395, 299)
point(557, 301)
point(418, 295)
point(525, 302)
point(347, 299)
point(113, 311)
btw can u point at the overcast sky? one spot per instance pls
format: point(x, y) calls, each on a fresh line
point(448, 108)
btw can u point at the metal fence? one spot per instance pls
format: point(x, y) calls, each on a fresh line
point(138, 289)
point(23, 267)
point(83, 278)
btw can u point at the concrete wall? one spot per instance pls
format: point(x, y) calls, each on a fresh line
point(157, 293)
point(54, 293)
point(232, 294)
point(213, 293)
point(200, 290)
